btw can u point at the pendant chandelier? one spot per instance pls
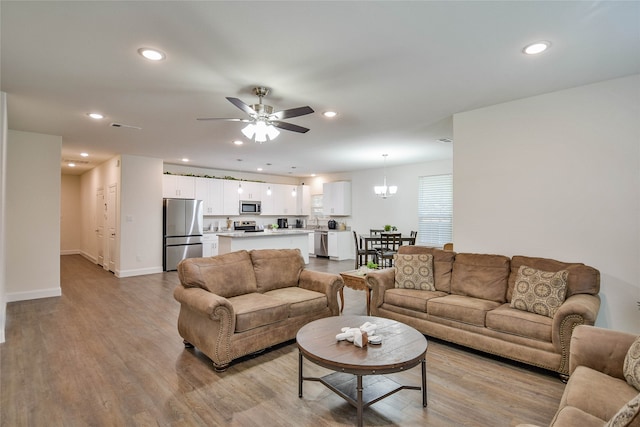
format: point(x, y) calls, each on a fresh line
point(384, 190)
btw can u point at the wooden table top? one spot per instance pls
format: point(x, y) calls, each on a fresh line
point(402, 346)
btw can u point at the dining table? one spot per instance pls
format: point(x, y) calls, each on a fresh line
point(370, 241)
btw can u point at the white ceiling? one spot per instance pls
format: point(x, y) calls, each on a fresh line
point(395, 72)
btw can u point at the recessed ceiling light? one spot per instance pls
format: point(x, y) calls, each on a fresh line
point(151, 54)
point(259, 169)
point(185, 160)
point(313, 174)
point(84, 154)
point(536, 48)
point(72, 165)
point(329, 114)
point(238, 142)
point(96, 116)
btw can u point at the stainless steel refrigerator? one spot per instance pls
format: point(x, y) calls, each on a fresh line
point(182, 229)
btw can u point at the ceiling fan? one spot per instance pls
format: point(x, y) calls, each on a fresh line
point(264, 121)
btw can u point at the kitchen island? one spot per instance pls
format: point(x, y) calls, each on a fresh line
point(280, 239)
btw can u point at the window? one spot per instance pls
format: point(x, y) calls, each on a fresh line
point(435, 210)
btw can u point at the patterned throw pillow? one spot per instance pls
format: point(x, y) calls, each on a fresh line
point(631, 365)
point(538, 291)
point(414, 271)
point(625, 416)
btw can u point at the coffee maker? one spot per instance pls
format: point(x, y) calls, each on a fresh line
point(283, 223)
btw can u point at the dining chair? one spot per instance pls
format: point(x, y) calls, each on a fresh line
point(390, 244)
point(375, 232)
point(414, 236)
point(361, 252)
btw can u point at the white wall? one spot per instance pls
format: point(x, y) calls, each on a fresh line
point(70, 218)
point(140, 216)
point(3, 205)
point(557, 176)
point(32, 216)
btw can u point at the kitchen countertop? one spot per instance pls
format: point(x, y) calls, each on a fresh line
point(266, 233)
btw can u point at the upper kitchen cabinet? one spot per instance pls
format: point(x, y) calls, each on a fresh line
point(336, 198)
point(231, 198)
point(249, 190)
point(211, 192)
point(303, 200)
point(178, 187)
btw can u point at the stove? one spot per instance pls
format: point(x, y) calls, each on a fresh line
point(246, 226)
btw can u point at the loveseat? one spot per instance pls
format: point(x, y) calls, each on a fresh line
point(239, 303)
point(470, 302)
point(597, 389)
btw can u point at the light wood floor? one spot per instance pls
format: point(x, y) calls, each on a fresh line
point(107, 353)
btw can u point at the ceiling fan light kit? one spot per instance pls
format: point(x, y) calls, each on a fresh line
point(264, 122)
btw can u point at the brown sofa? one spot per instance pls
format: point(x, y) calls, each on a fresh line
point(471, 305)
point(242, 302)
point(597, 388)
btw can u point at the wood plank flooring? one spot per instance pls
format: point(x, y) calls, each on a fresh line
point(107, 353)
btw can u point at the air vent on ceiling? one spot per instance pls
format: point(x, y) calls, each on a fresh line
point(122, 125)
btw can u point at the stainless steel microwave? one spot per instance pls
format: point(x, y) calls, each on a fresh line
point(250, 207)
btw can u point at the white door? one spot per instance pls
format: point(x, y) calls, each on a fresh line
point(111, 225)
point(101, 213)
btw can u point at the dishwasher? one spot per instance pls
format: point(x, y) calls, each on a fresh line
point(321, 243)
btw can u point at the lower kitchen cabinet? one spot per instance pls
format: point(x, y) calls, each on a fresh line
point(340, 245)
point(209, 245)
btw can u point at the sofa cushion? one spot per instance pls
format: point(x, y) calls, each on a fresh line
point(631, 365)
point(277, 268)
point(442, 264)
point(520, 323)
point(301, 301)
point(414, 271)
point(481, 276)
point(569, 416)
point(255, 310)
point(413, 299)
point(627, 414)
point(582, 278)
point(540, 292)
point(602, 401)
point(460, 308)
point(225, 275)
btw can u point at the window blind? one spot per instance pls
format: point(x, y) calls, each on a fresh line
point(435, 210)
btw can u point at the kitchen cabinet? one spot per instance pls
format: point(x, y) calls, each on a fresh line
point(340, 245)
point(250, 190)
point(178, 187)
point(209, 245)
point(230, 198)
point(269, 199)
point(303, 200)
point(211, 192)
point(312, 243)
point(289, 200)
point(336, 198)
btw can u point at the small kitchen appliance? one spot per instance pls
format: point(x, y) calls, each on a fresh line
point(332, 224)
point(283, 223)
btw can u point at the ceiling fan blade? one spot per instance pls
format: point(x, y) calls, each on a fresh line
point(241, 105)
point(289, 126)
point(224, 120)
point(293, 112)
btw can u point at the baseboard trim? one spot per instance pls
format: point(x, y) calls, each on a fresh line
point(138, 272)
point(29, 295)
point(70, 252)
point(89, 257)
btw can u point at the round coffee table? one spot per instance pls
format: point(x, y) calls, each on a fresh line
point(402, 348)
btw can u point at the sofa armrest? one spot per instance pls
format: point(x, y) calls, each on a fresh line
point(601, 349)
point(204, 302)
point(580, 309)
point(379, 281)
point(325, 283)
